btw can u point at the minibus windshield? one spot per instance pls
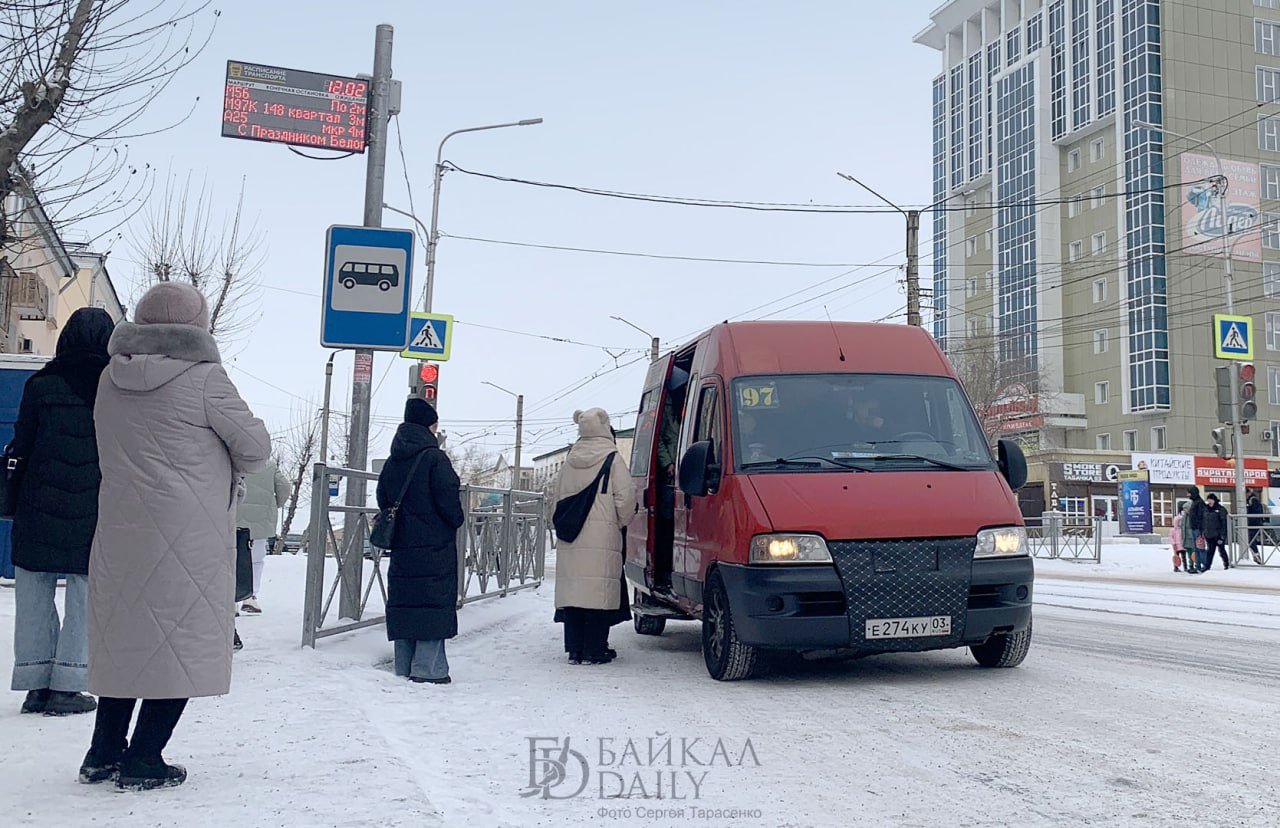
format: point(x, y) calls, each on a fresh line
point(865, 422)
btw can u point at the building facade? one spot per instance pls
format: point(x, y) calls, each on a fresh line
point(1080, 241)
point(546, 467)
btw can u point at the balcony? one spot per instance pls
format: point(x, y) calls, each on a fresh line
point(31, 297)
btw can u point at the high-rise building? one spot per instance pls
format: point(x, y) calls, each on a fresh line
point(1078, 247)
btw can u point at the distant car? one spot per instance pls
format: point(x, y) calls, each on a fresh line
point(384, 276)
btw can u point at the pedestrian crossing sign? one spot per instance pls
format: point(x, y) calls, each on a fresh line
point(430, 337)
point(1232, 336)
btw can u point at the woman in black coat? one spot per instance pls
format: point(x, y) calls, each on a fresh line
point(54, 517)
point(422, 581)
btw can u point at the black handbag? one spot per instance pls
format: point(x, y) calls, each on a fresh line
point(12, 468)
point(571, 513)
point(382, 531)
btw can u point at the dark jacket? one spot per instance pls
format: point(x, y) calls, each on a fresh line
point(1197, 511)
point(422, 581)
point(1256, 512)
point(1215, 521)
point(57, 500)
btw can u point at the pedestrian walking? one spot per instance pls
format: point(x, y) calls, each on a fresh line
point(1256, 512)
point(173, 437)
point(1196, 516)
point(266, 493)
point(595, 492)
point(55, 467)
point(1183, 540)
point(422, 581)
point(1215, 533)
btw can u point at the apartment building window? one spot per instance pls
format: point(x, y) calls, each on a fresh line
point(1273, 331)
point(1271, 280)
point(1097, 149)
point(1267, 4)
point(1266, 37)
point(1271, 180)
point(1035, 32)
point(1099, 242)
point(1271, 231)
point(1102, 442)
point(1097, 197)
point(973, 328)
point(1073, 160)
point(1130, 441)
point(1012, 48)
point(1269, 133)
point(1099, 291)
point(971, 246)
point(1075, 250)
point(1101, 393)
point(1158, 438)
point(1273, 385)
point(991, 280)
point(1075, 206)
point(970, 288)
point(986, 240)
point(970, 206)
point(1101, 342)
point(1268, 84)
point(1162, 507)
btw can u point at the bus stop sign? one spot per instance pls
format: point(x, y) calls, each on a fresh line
point(366, 288)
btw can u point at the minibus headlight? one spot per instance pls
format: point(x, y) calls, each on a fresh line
point(1007, 541)
point(774, 549)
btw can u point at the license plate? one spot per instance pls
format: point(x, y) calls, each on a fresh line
point(908, 627)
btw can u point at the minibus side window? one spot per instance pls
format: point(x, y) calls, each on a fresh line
point(708, 427)
point(646, 424)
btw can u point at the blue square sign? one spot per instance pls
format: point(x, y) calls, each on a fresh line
point(368, 271)
point(430, 337)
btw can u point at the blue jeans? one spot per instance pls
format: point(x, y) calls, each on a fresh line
point(421, 659)
point(50, 653)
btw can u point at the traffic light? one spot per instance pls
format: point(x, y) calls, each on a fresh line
point(1248, 392)
point(424, 381)
point(1226, 405)
point(1220, 442)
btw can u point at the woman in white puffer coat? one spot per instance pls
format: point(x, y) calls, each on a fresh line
point(589, 569)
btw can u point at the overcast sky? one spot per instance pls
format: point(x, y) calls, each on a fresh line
point(752, 101)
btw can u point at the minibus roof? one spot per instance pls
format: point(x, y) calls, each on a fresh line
point(750, 348)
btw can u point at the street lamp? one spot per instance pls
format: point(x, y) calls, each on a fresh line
point(1220, 188)
point(519, 427)
point(433, 237)
point(654, 343)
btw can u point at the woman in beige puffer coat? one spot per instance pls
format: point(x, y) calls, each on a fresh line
point(589, 569)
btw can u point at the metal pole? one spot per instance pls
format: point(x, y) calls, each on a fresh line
point(654, 350)
point(913, 268)
point(324, 412)
point(519, 437)
point(362, 373)
point(317, 549)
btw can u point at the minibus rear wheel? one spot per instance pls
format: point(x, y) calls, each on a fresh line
point(728, 659)
point(1004, 650)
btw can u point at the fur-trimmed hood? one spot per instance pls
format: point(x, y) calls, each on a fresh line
point(145, 357)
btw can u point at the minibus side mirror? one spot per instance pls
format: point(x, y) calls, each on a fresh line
point(1013, 463)
point(699, 472)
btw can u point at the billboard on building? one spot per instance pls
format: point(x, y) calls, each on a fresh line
point(1214, 472)
point(1202, 224)
point(1167, 469)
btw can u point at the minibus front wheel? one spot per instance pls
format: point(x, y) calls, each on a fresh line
point(1003, 650)
point(727, 658)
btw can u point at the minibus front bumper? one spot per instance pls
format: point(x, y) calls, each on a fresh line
point(827, 606)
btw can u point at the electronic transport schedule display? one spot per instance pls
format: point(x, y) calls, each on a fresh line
point(289, 106)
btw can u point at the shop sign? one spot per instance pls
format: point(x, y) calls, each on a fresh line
point(1167, 469)
point(1089, 472)
point(1218, 473)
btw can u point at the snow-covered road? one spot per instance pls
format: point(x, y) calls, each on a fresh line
point(1141, 704)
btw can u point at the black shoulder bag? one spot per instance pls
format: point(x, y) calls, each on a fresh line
point(571, 513)
point(11, 474)
point(382, 531)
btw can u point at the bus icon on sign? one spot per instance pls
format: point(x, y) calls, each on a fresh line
point(384, 276)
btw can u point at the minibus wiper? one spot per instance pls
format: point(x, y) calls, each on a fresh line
point(921, 457)
point(810, 463)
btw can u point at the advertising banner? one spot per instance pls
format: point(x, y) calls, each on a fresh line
point(1221, 474)
point(1086, 472)
point(1167, 469)
point(1202, 224)
point(1135, 503)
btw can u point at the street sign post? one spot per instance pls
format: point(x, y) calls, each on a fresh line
point(1232, 336)
point(366, 288)
point(289, 106)
point(430, 337)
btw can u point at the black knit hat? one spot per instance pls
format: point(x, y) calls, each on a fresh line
point(420, 412)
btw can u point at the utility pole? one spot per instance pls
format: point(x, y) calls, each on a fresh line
point(362, 375)
point(519, 437)
point(654, 350)
point(913, 268)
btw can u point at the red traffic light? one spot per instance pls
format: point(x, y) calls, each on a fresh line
point(429, 373)
point(429, 394)
point(1246, 371)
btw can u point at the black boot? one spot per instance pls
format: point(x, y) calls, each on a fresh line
point(96, 769)
point(136, 775)
point(69, 704)
point(36, 701)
